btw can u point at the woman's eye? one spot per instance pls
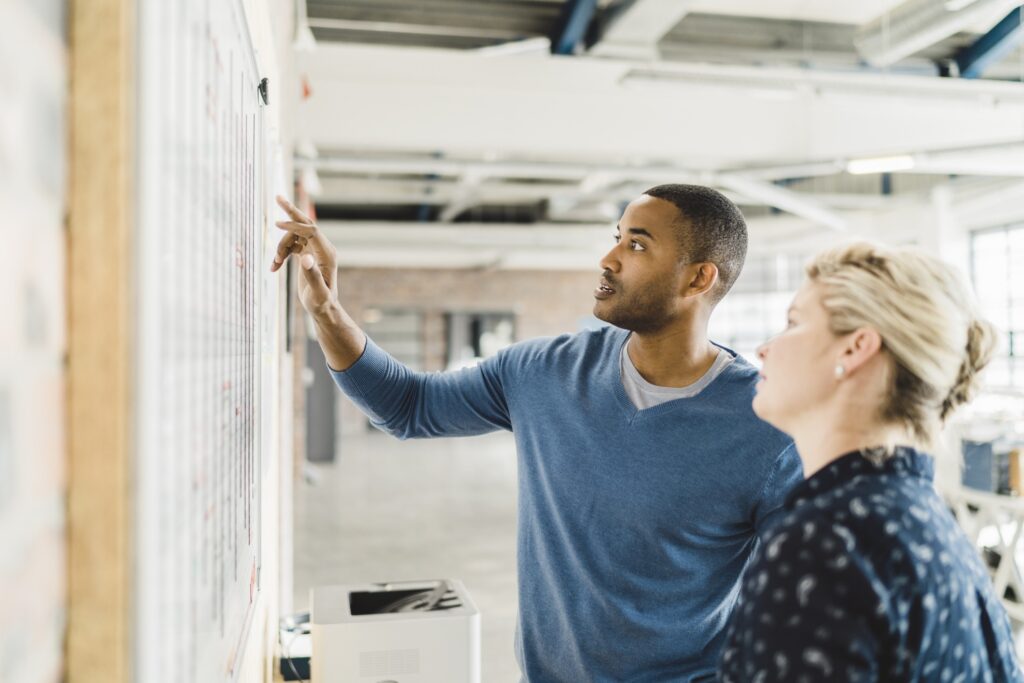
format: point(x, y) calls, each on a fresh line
point(636, 246)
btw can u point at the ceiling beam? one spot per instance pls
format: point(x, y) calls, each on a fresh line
point(786, 200)
point(416, 99)
point(918, 24)
point(469, 245)
point(379, 190)
point(598, 192)
point(465, 196)
point(992, 47)
point(553, 246)
point(758, 190)
point(583, 202)
point(395, 28)
point(808, 170)
point(499, 169)
point(577, 15)
point(638, 28)
point(755, 185)
point(538, 45)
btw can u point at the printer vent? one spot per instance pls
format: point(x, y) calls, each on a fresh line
point(389, 662)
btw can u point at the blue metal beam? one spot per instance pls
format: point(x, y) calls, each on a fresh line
point(576, 18)
point(992, 47)
point(887, 183)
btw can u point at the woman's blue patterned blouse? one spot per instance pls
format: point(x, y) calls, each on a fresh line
point(867, 577)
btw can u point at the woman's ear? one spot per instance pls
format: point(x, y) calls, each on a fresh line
point(859, 347)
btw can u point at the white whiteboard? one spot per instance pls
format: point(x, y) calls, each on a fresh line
point(202, 215)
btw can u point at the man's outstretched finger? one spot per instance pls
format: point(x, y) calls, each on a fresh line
point(293, 211)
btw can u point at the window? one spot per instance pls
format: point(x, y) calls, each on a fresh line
point(997, 272)
point(755, 309)
point(475, 336)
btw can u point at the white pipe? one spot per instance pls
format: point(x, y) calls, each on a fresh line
point(411, 29)
point(538, 46)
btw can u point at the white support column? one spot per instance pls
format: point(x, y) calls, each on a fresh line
point(948, 239)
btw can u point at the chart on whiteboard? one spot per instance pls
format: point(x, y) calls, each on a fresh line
point(201, 211)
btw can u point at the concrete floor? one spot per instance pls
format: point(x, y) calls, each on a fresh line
point(388, 510)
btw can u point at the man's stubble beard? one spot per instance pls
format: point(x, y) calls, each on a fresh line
point(643, 315)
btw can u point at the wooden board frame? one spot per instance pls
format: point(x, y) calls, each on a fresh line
point(100, 367)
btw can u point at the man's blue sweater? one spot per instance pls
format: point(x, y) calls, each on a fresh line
point(634, 526)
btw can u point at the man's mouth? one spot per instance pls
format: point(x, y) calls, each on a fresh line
point(604, 290)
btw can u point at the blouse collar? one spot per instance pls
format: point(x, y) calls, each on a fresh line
point(904, 462)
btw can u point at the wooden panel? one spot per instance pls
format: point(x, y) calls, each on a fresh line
point(110, 293)
point(100, 349)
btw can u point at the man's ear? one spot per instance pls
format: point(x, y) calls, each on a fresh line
point(699, 278)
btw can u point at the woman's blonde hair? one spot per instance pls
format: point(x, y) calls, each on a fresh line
point(927, 318)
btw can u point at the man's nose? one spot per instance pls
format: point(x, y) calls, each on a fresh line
point(610, 261)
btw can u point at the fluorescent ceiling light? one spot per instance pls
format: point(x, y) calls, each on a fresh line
point(903, 162)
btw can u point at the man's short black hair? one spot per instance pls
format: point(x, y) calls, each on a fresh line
point(711, 229)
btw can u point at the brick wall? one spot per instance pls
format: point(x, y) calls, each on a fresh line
point(543, 302)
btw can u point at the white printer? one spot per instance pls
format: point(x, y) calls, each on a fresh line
point(402, 632)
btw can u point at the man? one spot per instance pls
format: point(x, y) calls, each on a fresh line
point(644, 476)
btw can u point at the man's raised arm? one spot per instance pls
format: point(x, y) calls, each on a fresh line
point(340, 338)
point(402, 402)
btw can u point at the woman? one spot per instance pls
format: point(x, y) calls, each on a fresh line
point(867, 576)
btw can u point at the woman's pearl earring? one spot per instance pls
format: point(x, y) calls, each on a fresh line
point(840, 371)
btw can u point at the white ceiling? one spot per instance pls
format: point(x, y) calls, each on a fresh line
point(437, 132)
point(852, 12)
point(711, 118)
